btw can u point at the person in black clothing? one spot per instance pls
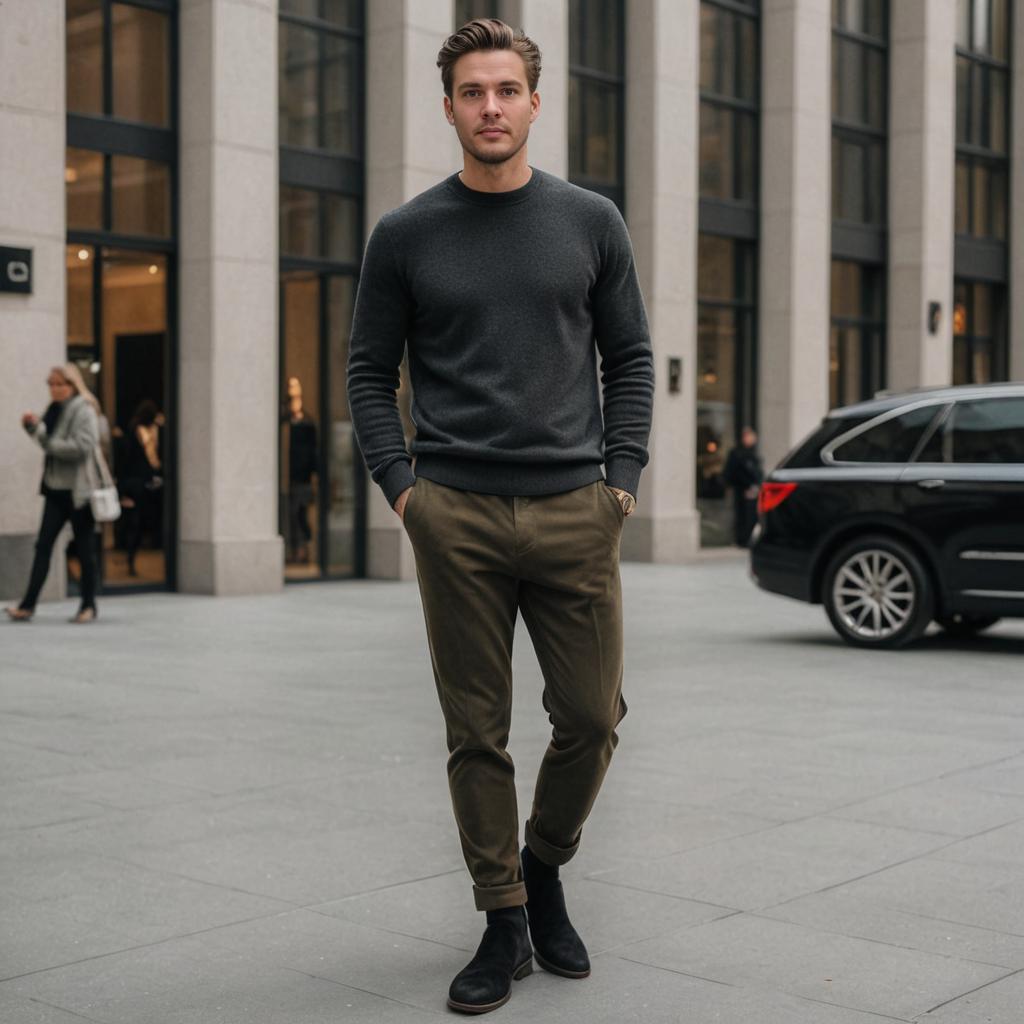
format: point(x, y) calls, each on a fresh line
point(744, 471)
point(302, 467)
point(139, 476)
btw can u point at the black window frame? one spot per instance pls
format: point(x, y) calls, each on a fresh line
point(582, 73)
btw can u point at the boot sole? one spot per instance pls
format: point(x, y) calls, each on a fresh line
point(525, 968)
point(560, 971)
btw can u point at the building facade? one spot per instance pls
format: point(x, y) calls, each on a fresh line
point(825, 197)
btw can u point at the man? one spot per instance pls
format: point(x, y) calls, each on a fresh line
point(744, 472)
point(507, 284)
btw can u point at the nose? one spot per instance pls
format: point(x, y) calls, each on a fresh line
point(492, 108)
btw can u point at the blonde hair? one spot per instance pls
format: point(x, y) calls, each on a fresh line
point(73, 375)
point(488, 34)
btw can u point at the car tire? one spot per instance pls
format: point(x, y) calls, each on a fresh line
point(962, 627)
point(877, 593)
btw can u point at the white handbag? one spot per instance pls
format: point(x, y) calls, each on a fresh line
point(105, 505)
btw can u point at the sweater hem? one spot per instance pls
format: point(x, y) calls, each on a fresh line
point(507, 478)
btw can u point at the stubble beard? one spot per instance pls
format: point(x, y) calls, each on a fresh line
point(488, 157)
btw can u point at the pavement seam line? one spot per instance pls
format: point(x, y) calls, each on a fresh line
point(64, 1009)
point(365, 991)
point(963, 995)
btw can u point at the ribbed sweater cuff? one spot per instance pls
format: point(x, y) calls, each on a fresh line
point(623, 473)
point(398, 477)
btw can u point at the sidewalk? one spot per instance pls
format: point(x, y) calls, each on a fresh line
point(219, 811)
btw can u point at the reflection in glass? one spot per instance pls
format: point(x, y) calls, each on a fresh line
point(593, 125)
point(83, 34)
point(595, 37)
point(1000, 29)
point(857, 349)
point(83, 181)
point(141, 200)
point(141, 65)
point(341, 223)
point(79, 262)
point(300, 222)
point(342, 89)
point(963, 198)
point(298, 59)
point(980, 39)
point(979, 322)
point(979, 197)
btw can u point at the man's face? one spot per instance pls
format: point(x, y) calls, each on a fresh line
point(491, 105)
point(749, 438)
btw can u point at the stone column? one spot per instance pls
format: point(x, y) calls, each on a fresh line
point(922, 157)
point(32, 333)
point(409, 147)
point(227, 413)
point(1016, 288)
point(662, 60)
point(546, 22)
point(796, 216)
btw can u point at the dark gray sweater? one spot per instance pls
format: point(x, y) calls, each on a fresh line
point(505, 300)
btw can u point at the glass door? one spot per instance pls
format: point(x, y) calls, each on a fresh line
point(318, 482)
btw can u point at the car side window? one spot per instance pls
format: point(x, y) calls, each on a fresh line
point(892, 440)
point(987, 431)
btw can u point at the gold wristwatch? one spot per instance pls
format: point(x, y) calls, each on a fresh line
point(626, 500)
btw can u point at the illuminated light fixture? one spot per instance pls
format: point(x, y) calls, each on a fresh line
point(83, 254)
point(70, 175)
point(712, 447)
point(711, 378)
point(154, 269)
point(959, 318)
point(94, 367)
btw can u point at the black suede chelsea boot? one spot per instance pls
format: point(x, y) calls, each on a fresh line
point(556, 946)
point(504, 954)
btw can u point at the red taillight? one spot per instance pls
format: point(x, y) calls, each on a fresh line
point(772, 496)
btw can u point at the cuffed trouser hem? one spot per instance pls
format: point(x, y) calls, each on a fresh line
point(495, 897)
point(552, 855)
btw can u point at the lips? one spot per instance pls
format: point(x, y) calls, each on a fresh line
point(492, 131)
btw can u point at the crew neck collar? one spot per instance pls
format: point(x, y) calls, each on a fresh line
point(516, 195)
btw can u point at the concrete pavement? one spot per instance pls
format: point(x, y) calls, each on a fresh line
point(218, 811)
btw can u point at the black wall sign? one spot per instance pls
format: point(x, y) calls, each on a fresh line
point(15, 270)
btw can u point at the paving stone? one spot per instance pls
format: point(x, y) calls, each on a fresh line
point(868, 976)
point(767, 867)
point(998, 1003)
point(848, 911)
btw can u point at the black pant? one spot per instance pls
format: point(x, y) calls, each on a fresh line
point(57, 511)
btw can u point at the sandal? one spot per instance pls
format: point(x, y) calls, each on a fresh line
point(84, 615)
point(19, 614)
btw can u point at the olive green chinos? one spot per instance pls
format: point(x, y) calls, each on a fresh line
point(480, 559)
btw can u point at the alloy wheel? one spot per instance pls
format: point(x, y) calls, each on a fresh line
point(873, 594)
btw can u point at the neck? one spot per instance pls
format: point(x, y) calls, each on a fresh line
point(504, 177)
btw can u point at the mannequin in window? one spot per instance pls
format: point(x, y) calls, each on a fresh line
point(303, 458)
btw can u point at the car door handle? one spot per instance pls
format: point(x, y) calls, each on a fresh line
point(931, 485)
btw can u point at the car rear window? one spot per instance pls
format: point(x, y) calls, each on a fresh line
point(990, 430)
point(808, 452)
point(892, 440)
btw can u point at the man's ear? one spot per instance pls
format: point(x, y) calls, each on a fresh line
point(534, 106)
point(448, 112)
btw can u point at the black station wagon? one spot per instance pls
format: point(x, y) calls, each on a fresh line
point(902, 510)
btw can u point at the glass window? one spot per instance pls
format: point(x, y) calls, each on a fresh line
point(79, 262)
point(596, 111)
point(595, 37)
point(1000, 30)
point(83, 181)
point(141, 65)
point(298, 86)
point(467, 10)
point(341, 222)
point(963, 23)
point(141, 200)
point(980, 37)
point(83, 33)
point(892, 440)
point(343, 458)
point(856, 341)
point(342, 89)
point(342, 13)
point(989, 431)
point(300, 223)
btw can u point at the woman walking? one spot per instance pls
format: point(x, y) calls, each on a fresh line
point(68, 433)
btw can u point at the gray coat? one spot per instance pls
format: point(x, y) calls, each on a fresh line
point(71, 450)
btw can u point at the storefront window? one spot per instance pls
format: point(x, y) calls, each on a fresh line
point(856, 350)
point(597, 97)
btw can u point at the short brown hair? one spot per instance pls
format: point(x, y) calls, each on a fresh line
point(488, 34)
